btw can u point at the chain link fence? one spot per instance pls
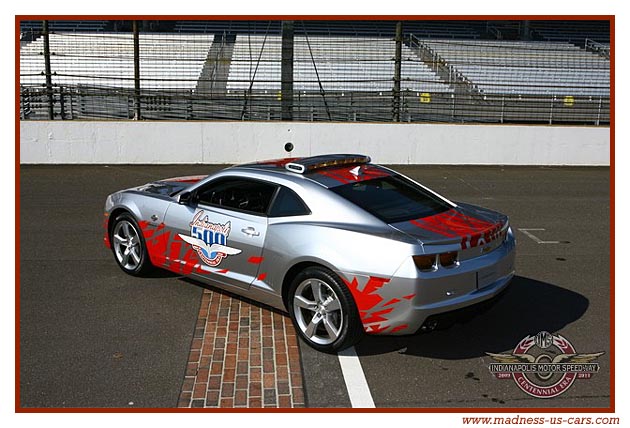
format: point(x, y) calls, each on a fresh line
point(238, 76)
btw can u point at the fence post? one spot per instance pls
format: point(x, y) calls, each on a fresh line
point(22, 103)
point(51, 112)
point(190, 114)
point(397, 72)
point(136, 71)
point(245, 105)
point(298, 105)
point(354, 115)
point(72, 104)
point(62, 104)
point(599, 111)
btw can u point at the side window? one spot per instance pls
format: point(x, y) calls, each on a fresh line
point(238, 194)
point(288, 203)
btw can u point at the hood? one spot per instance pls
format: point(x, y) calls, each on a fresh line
point(467, 225)
point(171, 186)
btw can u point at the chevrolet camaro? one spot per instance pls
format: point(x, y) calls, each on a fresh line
point(343, 245)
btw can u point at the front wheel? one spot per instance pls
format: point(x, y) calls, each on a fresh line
point(129, 247)
point(323, 310)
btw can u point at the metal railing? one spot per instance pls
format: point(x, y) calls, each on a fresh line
point(600, 48)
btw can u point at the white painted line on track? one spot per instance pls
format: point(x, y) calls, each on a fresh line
point(535, 238)
point(353, 375)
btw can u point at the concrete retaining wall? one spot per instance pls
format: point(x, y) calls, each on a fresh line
point(127, 142)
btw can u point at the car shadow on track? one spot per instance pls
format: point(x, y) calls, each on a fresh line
point(528, 307)
point(160, 273)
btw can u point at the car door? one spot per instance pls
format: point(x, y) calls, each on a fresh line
point(222, 228)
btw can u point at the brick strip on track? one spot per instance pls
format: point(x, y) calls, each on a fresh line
point(242, 355)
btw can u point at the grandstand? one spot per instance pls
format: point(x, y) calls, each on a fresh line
point(525, 68)
point(571, 31)
point(451, 71)
point(30, 30)
point(167, 61)
point(64, 26)
point(441, 29)
point(340, 64)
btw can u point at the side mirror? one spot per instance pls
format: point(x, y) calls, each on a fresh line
point(184, 198)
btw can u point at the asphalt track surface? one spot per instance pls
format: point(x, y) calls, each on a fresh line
point(91, 336)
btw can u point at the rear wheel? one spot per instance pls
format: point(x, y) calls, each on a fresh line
point(129, 247)
point(323, 310)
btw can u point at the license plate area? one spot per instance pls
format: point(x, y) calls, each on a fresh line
point(486, 277)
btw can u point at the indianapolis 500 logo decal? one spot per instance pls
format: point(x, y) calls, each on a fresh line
point(209, 239)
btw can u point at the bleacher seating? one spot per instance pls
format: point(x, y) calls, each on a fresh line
point(572, 31)
point(205, 69)
point(527, 68)
point(440, 29)
point(342, 64)
point(64, 26)
point(170, 61)
point(228, 27)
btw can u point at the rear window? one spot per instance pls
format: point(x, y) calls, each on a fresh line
point(287, 203)
point(392, 199)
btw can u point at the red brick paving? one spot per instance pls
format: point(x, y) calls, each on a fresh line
point(242, 355)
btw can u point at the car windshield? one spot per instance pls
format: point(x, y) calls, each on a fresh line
point(392, 199)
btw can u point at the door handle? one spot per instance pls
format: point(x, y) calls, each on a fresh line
point(250, 231)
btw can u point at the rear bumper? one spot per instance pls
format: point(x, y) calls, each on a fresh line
point(447, 319)
point(475, 303)
point(426, 296)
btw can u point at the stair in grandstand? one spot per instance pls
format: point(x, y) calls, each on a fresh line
point(447, 73)
point(214, 75)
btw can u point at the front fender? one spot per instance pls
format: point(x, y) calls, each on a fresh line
point(148, 211)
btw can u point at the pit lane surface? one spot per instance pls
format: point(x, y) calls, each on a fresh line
point(91, 336)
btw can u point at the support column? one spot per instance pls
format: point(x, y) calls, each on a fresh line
point(49, 88)
point(397, 72)
point(136, 71)
point(286, 74)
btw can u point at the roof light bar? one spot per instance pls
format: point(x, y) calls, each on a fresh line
point(318, 162)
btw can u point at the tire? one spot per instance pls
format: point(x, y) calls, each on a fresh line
point(323, 311)
point(129, 246)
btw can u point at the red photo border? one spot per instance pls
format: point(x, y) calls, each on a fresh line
point(610, 18)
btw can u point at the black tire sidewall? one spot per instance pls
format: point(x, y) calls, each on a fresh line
point(352, 329)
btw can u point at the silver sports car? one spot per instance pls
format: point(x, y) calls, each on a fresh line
point(343, 245)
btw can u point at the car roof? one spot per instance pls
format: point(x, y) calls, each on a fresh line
point(328, 170)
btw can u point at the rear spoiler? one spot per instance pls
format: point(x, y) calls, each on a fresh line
point(304, 165)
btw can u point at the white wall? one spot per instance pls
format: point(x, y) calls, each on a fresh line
point(55, 142)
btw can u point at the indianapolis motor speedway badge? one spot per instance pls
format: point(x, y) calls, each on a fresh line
point(544, 365)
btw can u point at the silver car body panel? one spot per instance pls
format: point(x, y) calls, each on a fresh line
point(373, 258)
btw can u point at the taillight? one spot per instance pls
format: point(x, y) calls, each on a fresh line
point(429, 262)
point(448, 259)
point(425, 262)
